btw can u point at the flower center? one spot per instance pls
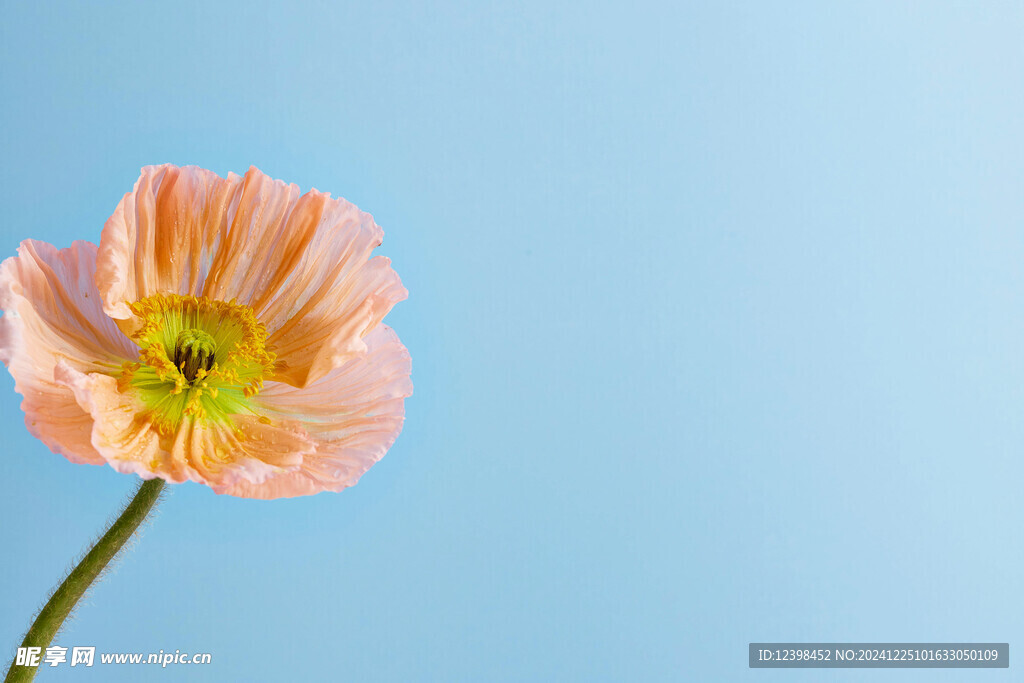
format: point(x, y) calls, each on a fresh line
point(193, 349)
point(198, 358)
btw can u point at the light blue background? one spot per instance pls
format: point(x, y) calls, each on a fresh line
point(716, 313)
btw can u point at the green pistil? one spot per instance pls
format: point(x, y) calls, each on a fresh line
point(193, 350)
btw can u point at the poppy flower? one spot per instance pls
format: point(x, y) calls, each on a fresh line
point(225, 331)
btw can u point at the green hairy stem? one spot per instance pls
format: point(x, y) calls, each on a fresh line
point(67, 595)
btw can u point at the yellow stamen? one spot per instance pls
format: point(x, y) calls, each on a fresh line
point(198, 358)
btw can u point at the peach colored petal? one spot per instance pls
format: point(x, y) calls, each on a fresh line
point(353, 414)
point(140, 255)
point(53, 313)
point(301, 262)
point(201, 451)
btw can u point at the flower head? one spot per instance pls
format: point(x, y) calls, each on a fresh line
point(226, 331)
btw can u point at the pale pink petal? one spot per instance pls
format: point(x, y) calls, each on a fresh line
point(248, 450)
point(53, 313)
point(301, 262)
point(353, 415)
